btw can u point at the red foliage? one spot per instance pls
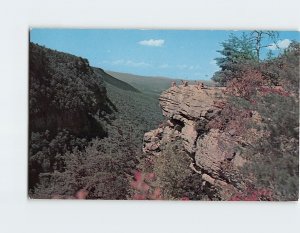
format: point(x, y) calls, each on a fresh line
point(144, 187)
point(264, 90)
point(81, 194)
point(246, 86)
point(250, 82)
point(231, 119)
point(138, 176)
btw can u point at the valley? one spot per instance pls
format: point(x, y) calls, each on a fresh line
point(96, 134)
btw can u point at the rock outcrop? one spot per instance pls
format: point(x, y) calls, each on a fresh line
point(189, 110)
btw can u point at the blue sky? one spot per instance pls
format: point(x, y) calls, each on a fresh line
point(186, 54)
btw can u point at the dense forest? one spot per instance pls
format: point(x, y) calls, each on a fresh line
point(88, 129)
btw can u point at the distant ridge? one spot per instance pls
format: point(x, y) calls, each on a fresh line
point(114, 81)
point(140, 76)
point(152, 85)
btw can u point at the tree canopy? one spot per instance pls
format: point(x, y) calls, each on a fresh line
point(240, 53)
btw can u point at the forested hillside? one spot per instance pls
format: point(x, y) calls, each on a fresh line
point(151, 85)
point(98, 135)
point(86, 128)
point(64, 92)
point(114, 81)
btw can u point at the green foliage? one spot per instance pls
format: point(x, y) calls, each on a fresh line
point(64, 92)
point(242, 53)
point(86, 127)
point(174, 176)
point(236, 55)
point(272, 155)
point(69, 107)
point(137, 112)
point(102, 167)
point(46, 152)
point(96, 169)
point(284, 70)
point(274, 159)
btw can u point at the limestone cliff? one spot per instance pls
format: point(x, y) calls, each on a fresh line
point(188, 111)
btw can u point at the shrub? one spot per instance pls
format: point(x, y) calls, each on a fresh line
point(93, 169)
point(174, 177)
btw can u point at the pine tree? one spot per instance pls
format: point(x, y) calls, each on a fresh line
point(236, 51)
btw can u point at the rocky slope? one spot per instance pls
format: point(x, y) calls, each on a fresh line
point(188, 111)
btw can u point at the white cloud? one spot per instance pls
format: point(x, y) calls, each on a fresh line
point(130, 63)
point(152, 42)
point(281, 44)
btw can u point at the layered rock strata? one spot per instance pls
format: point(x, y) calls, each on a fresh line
point(188, 110)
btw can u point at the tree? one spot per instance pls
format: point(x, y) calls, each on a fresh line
point(236, 51)
point(240, 53)
point(262, 39)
